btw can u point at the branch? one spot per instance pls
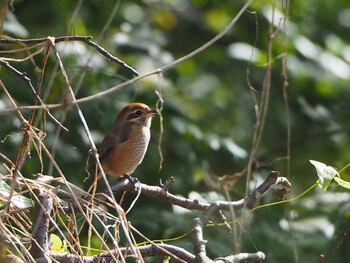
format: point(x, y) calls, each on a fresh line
point(29, 82)
point(130, 81)
point(146, 251)
point(158, 249)
point(86, 39)
point(198, 224)
point(243, 257)
point(199, 244)
point(346, 228)
point(160, 193)
point(40, 233)
point(89, 136)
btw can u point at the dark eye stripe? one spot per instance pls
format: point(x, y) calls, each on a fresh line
point(134, 115)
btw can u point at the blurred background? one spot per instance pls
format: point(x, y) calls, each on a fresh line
point(209, 111)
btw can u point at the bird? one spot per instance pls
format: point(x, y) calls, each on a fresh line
point(125, 145)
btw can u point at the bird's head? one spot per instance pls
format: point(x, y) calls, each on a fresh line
point(138, 113)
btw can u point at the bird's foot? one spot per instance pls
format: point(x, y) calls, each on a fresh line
point(133, 180)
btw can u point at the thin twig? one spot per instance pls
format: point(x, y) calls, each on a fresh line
point(134, 80)
point(86, 39)
point(29, 82)
point(336, 244)
point(91, 141)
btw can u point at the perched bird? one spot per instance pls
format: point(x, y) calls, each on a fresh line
point(125, 145)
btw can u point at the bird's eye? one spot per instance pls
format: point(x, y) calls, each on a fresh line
point(138, 113)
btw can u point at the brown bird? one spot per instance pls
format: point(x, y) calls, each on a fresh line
point(125, 145)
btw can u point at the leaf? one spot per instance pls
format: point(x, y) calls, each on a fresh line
point(22, 202)
point(325, 173)
point(342, 182)
point(56, 243)
point(17, 200)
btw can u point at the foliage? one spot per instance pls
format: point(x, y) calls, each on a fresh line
point(211, 111)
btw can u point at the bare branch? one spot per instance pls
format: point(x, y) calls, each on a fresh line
point(85, 39)
point(91, 141)
point(29, 82)
point(199, 244)
point(209, 210)
point(146, 251)
point(345, 230)
point(243, 257)
point(159, 193)
point(40, 232)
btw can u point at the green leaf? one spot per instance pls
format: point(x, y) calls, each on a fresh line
point(342, 182)
point(17, 200)
point(325, 173)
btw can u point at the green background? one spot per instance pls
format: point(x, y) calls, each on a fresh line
point(209, 110)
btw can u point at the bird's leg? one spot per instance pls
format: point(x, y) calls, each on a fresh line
point(132, 180)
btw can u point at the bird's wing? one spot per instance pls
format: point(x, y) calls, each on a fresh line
point(108, 144)
point(115, 137)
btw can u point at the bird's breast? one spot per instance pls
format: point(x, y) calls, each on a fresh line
point(129, 154)
point(136, 145)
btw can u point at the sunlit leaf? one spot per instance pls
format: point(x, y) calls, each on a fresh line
point(342, 182)
point(325, 173)
point(56, 243)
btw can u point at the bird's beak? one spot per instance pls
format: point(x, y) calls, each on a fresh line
point(153, 112)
